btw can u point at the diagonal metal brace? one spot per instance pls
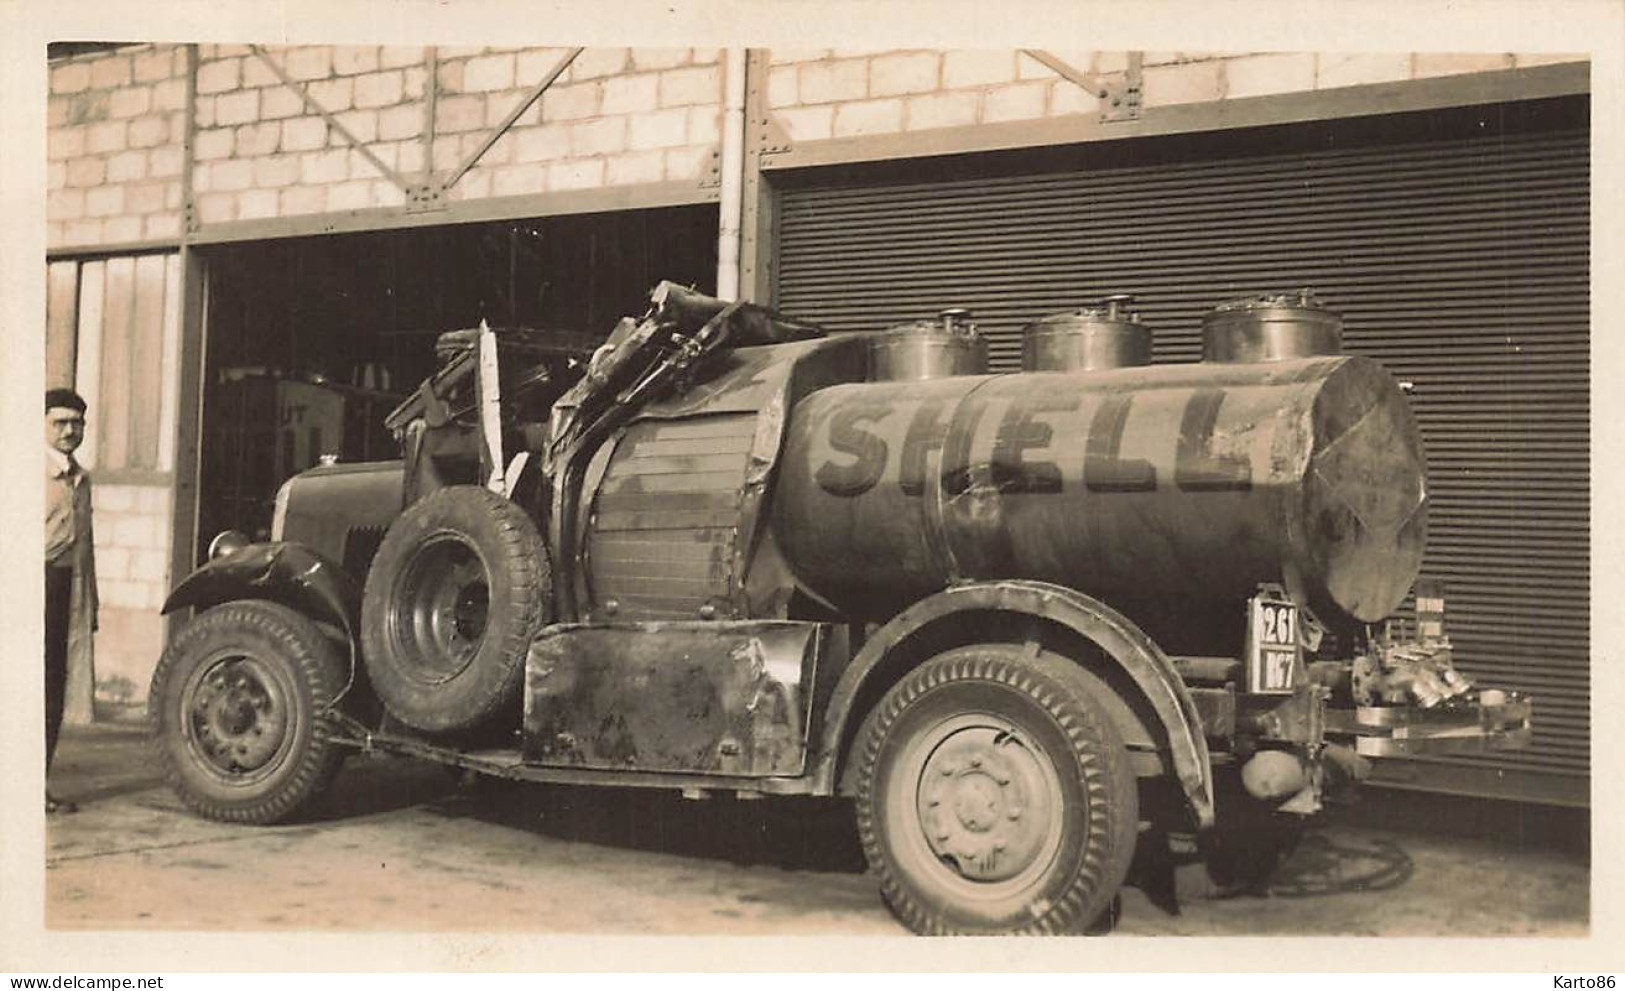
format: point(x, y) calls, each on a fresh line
point(513, 115)
point(310, 103)
point(1120, 98)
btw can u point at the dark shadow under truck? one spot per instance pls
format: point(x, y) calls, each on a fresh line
point(1011, 615)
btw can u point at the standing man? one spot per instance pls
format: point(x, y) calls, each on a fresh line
point(70, 561)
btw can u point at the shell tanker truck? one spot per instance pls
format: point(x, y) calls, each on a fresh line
point(1027, 621)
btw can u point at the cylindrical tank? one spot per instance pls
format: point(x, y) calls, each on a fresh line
point(1190, 483)
point(1093, 338)
point(1271, 327)
point(928, 349)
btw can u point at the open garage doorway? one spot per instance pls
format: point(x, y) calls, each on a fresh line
point(312, 341)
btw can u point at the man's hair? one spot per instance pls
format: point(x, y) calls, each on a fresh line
point(63, 398)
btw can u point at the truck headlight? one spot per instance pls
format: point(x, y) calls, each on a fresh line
point(227, 543)
point(279, 515)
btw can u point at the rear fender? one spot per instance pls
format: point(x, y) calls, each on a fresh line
point(291, 574)
point(1119, 639)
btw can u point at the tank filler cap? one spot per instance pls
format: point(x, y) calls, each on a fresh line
point(1303, 299)
point(956, 320)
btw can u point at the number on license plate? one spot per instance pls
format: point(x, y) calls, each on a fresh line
point(1273, 664)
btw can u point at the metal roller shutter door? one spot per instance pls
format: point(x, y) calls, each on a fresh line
point(1456, 246)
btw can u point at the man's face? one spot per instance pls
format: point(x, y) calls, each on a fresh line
point(64, 429)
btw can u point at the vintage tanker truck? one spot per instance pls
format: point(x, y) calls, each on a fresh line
point(1025, 620)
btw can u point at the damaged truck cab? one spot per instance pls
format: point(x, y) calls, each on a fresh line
point(1016, 617)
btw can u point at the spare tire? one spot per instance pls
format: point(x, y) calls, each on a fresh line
point(458, 590)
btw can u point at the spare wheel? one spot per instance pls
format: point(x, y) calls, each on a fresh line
point(459, 588)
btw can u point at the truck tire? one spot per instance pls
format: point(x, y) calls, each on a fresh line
point(237, 713)
point(459, 588)
point(996, 796)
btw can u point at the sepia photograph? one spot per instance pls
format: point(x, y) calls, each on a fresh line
point(669, 484)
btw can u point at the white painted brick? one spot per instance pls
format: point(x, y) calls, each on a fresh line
point(1019, 101)
point(1083, 60)
point(588, 174)
point(232, 174)
point(829, 82)
point(56, 175)
point(545, 143)
point(685, 164)
point(112, 563)
point(1190, 82)
point(122, 594)
point(361, 123)
point(164, 162)
point(324, 166)
point(978, 68)
point(644, 166)
point(447, 155)
point(781, 86)
point(276, 171)
point(83, 108)
point(518, 180)
point(83, 172)
point(631, 94)
point(147, 565)
point(146, 132)
point(129, 102)
point(1526, 59)
point(940, 110)
point(570, 102)
point(386, 193)
point(177, 128)
point(869, 117)
point(410, 155)
point(352, 195)
point(304, 134)
point(219, 77)
point(156, 501)
point(396, 56)
point(169, 95)
point(104, 201)
point(109, 137)
point(1260, 75)
point(532, 66)
point(704, 125)
point(500, 153)
point(65, 142)
point(58, 110)
point(334, 95)
point(404, 121)
point(476, 185)
point(311, 62)
point(125, 228)
point(112, 71)
point(595, 63)
point(808, 123)
point(82, 232)
point(662, 129)
point(488, 73)
point(705, 56)
point(214, 143)
point(254, 140)
point(257, 74)
point(412, 85)
point(645, 59)
point(70, 77)
point(459, 113)
point(352, 60)
point(685, 87)
point(1066, 97)
point(298, 200)
point(123, 529)
point(903, 73)
point(499, 105)
point(604, 136)
point(161, 225)
point(238, 108)
point(279, 102)
point(257, 204)
point(126, 166)
point(786, 56)
point(1428, 65)
point(62, 205)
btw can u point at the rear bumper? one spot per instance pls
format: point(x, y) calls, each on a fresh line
point(1459, 726)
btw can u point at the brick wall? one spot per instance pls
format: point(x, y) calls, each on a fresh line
point(838, 93)
point(133, 529)
point(113, 149)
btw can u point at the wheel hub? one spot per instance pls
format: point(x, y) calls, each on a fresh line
point(237, 721)
point(442, 609)
point(985, 803)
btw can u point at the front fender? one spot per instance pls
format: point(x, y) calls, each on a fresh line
point(292, 574)
point(1121, 640)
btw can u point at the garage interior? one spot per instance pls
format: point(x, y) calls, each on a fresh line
point(313, 340)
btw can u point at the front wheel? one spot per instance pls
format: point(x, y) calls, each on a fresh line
point(996, 795)
point(237, 713)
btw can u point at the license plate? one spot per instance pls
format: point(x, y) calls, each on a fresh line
point(1272, 664)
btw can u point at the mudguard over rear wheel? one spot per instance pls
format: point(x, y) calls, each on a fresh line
point(237, 713)
point(996, 795)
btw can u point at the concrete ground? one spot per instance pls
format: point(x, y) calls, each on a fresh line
point(399, 846)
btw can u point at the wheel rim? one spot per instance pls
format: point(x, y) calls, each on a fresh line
point(982, 806)
point(238, 718)
point(441, 608)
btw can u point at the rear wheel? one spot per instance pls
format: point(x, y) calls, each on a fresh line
point(996, 796)
point(238, 713)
